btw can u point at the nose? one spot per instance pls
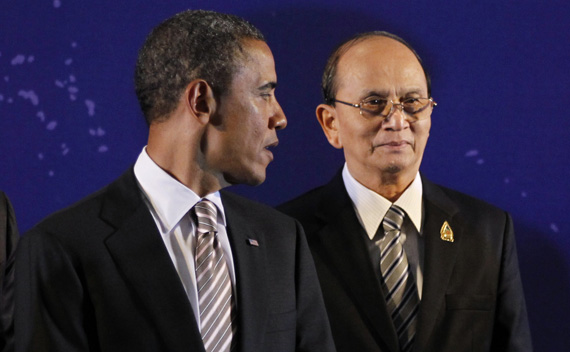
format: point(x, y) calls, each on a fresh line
point(397, 119)
point(278, 121)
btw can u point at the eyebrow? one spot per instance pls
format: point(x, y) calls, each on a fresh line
point(413, 91)
point(268, 86)
point(386, 93)
point(370, 92)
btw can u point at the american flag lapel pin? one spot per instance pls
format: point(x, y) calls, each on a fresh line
point(252, 242)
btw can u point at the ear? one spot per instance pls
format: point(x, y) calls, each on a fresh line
point(326, 115)
point(199, 99)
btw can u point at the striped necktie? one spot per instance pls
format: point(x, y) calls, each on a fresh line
point(213, 281)
point(398, 283)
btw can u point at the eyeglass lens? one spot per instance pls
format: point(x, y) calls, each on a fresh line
point(383, 107)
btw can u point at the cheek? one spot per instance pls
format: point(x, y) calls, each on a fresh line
point(258, 124)
point(422, 135)
point(426, 129)
point(253, 131)
point(253, 117)
point(356, 133)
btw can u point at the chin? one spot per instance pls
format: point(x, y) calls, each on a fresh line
point(254, 181)
point(393, 169)
point(245, 178)
point(397, 165)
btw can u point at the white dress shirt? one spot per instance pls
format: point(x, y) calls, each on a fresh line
point(169, 202)
point(371, 208)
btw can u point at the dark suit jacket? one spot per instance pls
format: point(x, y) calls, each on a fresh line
point(472, 293)
point(8, 240)
point(98, 277)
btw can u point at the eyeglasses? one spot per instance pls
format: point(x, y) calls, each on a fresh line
point(415, 108)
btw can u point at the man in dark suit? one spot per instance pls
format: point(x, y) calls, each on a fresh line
point(160, 260)
point(404, 264)
point(8, 239)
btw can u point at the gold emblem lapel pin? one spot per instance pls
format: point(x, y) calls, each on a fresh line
point(446, 232)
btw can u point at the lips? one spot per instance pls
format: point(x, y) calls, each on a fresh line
point(267, 149)
point(272, 145)
point(394, 144)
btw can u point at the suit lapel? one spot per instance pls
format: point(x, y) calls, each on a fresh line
point(139, 253)
point(251, 279)
point(440, 257)
point(341, 239)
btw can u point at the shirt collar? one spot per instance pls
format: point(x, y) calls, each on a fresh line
point(372, 207)
point(170, 199)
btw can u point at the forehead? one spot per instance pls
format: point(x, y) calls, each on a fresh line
point(380, 64)
point(256, 65)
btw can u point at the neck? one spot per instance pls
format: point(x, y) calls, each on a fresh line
point(178, 152)
point(392, 188)
point(389, 184)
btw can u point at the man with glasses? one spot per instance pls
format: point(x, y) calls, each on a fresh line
point(404, 264)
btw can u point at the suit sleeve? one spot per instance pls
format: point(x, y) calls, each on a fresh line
point(49, 297)
point(511, 331)
point(8, 238)
point(313, 332)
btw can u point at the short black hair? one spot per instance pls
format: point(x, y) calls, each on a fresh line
point(329, 85)
point(190, 45)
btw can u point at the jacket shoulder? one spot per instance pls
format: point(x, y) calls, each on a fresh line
point(84, 215)
point(471, 210)
point(305, 206)
point(77, 213)
point(466, 201)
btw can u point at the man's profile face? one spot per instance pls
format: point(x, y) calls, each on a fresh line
point(249, 116)
point(384, 68)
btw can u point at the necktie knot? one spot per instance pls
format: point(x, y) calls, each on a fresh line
point(206, 216)
point(393, 219)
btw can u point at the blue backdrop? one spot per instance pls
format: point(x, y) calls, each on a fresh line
point(70, 122)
